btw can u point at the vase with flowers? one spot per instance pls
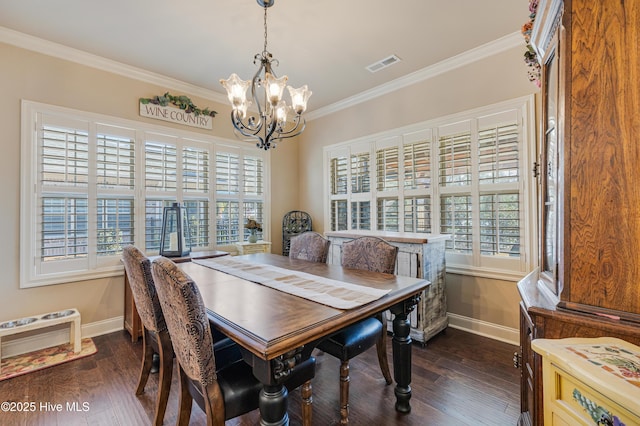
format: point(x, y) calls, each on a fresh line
point(253, 227)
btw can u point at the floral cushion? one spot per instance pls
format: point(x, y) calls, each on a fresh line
point(138, 269)
point(370, 254)
point(309, 246)
point(186, 319)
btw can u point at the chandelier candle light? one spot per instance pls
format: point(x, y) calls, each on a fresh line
point(271, 125)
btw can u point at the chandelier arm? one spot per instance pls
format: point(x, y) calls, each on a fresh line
point(254, 83)
point(243, 128)
point(240, 124)
point(295, 130)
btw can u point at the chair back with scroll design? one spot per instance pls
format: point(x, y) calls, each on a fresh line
point(155, 335)
point(309, 246)
point(370, 254)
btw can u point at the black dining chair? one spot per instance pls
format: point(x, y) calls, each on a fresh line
point(376, 255)
point(155, 337)
point(223, 390)
point(309, 246)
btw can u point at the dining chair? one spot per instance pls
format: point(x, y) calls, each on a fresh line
point(155, 337)
point(309, 246)
point(223, 390)
point(370, 254)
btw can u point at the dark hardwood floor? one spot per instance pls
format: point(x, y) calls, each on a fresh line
point(458, 379)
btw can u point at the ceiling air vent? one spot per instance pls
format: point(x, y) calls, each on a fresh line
point(384, 63)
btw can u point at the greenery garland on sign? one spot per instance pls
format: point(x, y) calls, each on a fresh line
point(182, 102)
point(530, 57)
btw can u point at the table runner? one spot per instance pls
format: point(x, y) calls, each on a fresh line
point(337, 294)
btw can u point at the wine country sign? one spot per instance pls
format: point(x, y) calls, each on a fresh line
point(177, 109)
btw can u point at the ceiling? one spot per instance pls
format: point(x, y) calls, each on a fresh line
point(325, 44)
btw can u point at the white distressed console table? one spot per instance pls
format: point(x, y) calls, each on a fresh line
point(419, 255)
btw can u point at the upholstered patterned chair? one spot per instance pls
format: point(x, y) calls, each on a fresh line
point(155, 337)
point(309, 246)
point(371, 254)
point(223, 390)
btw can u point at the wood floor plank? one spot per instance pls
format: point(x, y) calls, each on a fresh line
point(458, 379)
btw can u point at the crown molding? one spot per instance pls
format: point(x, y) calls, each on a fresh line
point(49, 48)
point(60, 51)
point(481, 52)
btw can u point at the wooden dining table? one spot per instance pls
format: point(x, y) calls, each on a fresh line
point(277, 330)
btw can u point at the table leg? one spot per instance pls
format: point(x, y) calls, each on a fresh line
point(273, 398)
point(273, 406)
point(401, 345)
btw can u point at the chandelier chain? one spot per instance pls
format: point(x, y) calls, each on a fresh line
point(265, 30)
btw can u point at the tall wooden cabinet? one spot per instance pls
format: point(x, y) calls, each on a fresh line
point(588, 281)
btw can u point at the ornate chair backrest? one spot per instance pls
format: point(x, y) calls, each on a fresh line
point(187, 321)
point(370, 254)
point(309, 246)
point(138, 268)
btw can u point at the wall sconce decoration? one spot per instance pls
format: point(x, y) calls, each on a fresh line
point(175, 240)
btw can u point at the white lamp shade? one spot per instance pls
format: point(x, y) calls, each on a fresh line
point(281, 112)
point(236, 90)
point(274, 87)
point(299, 98)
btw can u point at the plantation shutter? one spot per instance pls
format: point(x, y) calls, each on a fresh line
point(195, 192)
point(161, 165)
point(455, 219)
point(115, 177)
point(227, 173)
point(339, 215)
point(339, 170)
point(360, 177)
point(417, 214)
point(252, 176)
point(500, 224)
point(195, 170)
point(227, 222)
point(360, 215)
point(62, 184)
point(153, 209)
point(198, 218)
point(498, 154)
point(387, 168)
point(455, 159)
point(388, 214)
point(417, 165)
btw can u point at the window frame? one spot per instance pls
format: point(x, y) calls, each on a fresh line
point(475, 263)
point(95, 266)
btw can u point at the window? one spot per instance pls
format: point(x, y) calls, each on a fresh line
point(475, 161)
point(92, 184)
point(360, 175)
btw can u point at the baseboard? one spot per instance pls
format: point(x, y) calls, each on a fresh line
point(486, 329)
point(40, 340)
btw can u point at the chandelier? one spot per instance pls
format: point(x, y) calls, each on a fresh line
point(271, 124)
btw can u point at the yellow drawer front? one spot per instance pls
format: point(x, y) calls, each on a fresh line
point(576, 403)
